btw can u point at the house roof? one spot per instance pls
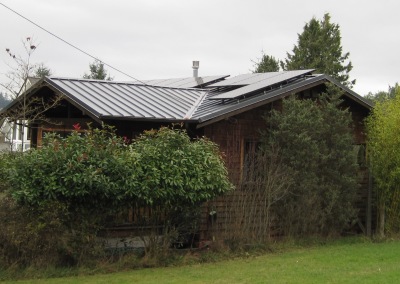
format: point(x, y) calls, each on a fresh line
point(211, 110)
point(105, 100)
point(190, 82)
point(108, 99)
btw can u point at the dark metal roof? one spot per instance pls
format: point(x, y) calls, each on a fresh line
point(108, 99)
point(211, 110)
point(190, 82)
point(105, 100)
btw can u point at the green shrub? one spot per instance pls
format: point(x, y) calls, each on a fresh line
point(40, 237)
point(88, 172)
point(172, 170)
point(316, 143)
point(63, 192)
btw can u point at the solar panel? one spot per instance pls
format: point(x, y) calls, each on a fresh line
point(257, 82)
point(245, 79)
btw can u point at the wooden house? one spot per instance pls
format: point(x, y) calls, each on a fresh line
point(227, 110)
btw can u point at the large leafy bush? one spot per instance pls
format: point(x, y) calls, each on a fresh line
point(97, 170)
point(173, 170)
point(72, 185)
point(384, 157)
point(86, 171)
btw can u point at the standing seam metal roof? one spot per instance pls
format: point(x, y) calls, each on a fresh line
point(107, 99)
point(118, 100)
point(211, 109)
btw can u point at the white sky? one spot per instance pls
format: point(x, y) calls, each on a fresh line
point(151, 39)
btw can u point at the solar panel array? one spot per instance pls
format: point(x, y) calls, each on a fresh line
point(251, 83)
point(117, 100)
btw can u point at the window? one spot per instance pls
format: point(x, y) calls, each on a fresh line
point(20, 130)
point(14, 131)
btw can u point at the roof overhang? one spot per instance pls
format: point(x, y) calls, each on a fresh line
point(221, 111)
point(274, 95)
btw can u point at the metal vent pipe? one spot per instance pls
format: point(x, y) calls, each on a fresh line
point(195, 67)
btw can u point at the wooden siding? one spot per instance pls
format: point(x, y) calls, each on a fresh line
point(231, 134)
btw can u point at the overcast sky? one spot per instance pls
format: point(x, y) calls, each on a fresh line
point(151, 39)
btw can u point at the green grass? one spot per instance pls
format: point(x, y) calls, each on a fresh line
point(338, 262)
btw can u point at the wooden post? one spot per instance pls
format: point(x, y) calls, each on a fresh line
point(369, 203)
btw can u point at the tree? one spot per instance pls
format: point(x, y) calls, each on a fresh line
point(21, 69)
point(42, 71)
point(384, 157)
point(382, 96)
point(97, 72)
point(265, 181)
point(267, 63)
point(3, 100)
point(23, 111)
point(316, 145)
point(319, 46)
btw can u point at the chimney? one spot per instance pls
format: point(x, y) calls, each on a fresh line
point(196, 68)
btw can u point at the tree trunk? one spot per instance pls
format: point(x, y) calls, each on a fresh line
point(381, 220)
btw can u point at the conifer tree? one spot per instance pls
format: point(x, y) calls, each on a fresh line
point(316, 147)
point(319, 46)
point(267, 63)
point(97, 72)
point(42, 71)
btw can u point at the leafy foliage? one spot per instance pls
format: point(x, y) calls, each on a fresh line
point(267, 63)
point(97, 71)
point(173, 170)
point(87, 176)
point(98, 170)
point(319, 46)
point(86, 171)
point(382, 96)
point(315, 140)
point(39, 237)
point(383, 147)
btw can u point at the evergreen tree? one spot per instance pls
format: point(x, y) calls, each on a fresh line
point(42, 71)
point(267, 63)
point(97, 72)
point(3, 100)
point(316, 145)
point(319, 47)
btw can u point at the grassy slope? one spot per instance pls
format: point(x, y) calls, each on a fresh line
point(334, 263)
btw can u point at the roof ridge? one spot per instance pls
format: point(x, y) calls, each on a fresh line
point(120, 83)
point(195, 106)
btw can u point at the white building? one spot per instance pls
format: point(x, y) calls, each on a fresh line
point(14, 136)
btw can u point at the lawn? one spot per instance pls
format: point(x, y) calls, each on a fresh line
point(359, 262)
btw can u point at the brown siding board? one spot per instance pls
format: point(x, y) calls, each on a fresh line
point(231, 134)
